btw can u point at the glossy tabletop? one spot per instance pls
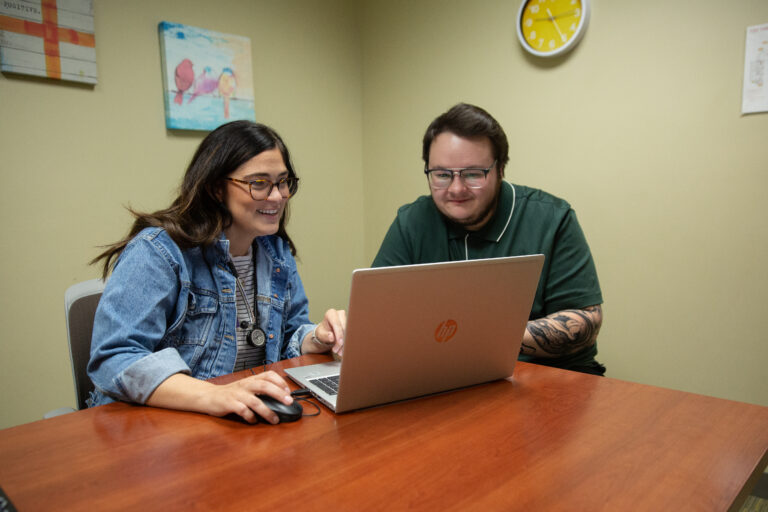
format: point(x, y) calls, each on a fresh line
point(545, 439)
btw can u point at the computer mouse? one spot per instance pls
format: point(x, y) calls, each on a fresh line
point(286, 413)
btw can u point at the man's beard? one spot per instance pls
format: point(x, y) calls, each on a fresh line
point(485, 214)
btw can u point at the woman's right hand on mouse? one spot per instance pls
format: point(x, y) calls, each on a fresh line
point(182, 392)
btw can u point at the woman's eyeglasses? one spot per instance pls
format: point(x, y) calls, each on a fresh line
point(261, 189)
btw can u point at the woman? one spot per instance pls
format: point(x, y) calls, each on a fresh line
point(179, 305)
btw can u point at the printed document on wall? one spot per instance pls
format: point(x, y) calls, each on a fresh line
point(755, 95)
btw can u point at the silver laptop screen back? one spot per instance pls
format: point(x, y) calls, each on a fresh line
point(422, 329)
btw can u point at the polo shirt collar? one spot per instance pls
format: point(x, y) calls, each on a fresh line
point(498, 223)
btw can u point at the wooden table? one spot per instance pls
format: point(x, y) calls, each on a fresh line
point(546, 439)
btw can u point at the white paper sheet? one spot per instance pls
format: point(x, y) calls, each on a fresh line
point(755, 94)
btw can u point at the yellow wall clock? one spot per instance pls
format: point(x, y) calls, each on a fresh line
point(547, 28)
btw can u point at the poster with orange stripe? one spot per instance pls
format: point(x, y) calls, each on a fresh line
point(50, 38)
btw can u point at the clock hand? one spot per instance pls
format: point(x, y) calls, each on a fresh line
point(561, 15)
point(552, 19)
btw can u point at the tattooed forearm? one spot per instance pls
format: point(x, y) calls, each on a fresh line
point(563, 332)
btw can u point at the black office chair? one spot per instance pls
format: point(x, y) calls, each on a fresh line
point(80, 302)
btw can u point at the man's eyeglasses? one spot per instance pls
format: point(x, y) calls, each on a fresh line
point(261, 189)
point(472, 177)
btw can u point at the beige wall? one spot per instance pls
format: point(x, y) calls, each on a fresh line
point(639, 129)
point(72, 156)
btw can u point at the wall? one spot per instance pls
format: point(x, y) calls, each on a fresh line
point(639, 128)
point(72, 156)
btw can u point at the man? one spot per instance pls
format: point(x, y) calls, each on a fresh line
point(473, 213)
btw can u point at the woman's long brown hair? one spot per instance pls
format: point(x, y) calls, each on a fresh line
point(197, 217)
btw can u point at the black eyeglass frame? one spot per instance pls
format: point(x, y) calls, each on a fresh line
point(458, 171)
point(292, 181)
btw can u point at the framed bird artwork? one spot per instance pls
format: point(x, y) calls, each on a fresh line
point(207, 77)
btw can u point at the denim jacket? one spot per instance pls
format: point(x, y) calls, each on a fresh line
point(166, 310)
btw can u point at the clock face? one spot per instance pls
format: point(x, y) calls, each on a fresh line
point(551, 27)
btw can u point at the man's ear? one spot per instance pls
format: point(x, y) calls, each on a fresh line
point(501, 171)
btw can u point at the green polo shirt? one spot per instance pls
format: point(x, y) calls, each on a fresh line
point(526, 221)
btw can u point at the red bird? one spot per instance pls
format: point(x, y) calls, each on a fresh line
point(185, 76)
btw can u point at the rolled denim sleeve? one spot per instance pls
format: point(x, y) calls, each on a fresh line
point(129, 356)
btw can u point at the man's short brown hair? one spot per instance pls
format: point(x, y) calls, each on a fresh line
point(469, 121)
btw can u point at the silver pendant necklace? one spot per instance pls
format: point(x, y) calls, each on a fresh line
point(254, 334)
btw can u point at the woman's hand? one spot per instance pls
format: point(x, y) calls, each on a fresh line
point(328, 335)
point(180, 391)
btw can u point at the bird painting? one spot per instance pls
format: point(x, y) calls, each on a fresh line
point(200, 62)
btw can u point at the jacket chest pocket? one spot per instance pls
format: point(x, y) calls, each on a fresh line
point(199, 317)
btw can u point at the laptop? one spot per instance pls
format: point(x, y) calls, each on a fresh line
point(416, 330)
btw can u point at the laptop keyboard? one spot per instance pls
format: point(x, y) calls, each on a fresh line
point(328, 384)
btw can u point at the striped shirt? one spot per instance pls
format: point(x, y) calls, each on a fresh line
point(248, 356)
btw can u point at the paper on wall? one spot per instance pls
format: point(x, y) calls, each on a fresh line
point(755, 94)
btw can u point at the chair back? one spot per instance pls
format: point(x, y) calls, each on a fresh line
point(80, 302)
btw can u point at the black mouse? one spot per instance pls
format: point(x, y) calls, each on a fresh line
point(286, 413)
